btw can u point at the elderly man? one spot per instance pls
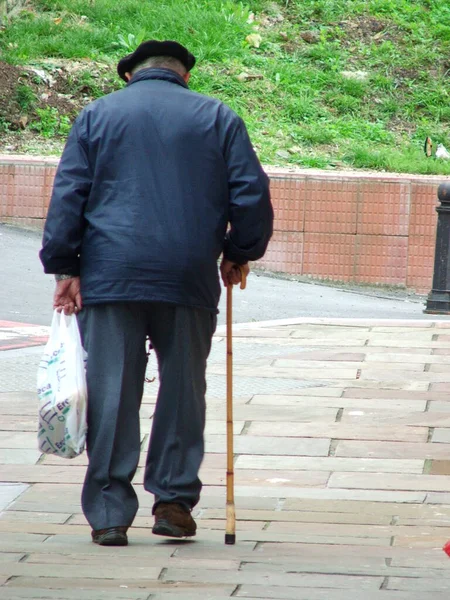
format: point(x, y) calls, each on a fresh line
point(149, 181)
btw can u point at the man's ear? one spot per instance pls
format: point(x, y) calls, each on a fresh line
point(186, 77)
point(128, 76)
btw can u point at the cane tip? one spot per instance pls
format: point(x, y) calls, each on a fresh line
point(230, 539)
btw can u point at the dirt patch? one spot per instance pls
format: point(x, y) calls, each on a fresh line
point(11, 78)
point(369, 30)
point(62, 85)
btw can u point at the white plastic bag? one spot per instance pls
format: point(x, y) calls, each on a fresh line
point(62, 390)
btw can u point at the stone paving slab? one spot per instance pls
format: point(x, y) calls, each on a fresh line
point(21, 335)
point(302, 402)
point(330, 463)
point(392, 450)
point(9, 492)
point(327, 594)
point(342, 460)
point(27, 593)
point(340, 431)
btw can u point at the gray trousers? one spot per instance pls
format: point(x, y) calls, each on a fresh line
point(114, 338)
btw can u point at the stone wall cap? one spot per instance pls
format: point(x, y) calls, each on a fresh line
point(25, 159)
point(272, 171)
point(350, 175)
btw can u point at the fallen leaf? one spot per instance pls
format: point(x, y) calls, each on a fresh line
point(254, 39)
point(294, 149)
point(242, 77)
point(23, 122)
point(283, 154)
point(284, 36)
point(57, 21)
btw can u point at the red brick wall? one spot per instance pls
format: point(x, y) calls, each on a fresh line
point(354, 226)
point(343, 226)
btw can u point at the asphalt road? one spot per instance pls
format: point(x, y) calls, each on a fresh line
point(26, 293)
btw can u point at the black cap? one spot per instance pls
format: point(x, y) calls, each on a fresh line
point(155, 48)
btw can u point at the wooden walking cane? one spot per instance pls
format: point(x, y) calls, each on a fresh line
point(230, 531)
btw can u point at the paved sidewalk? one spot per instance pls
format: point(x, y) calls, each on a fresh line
point(342, 476)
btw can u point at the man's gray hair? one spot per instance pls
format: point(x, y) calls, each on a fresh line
point(161, 62)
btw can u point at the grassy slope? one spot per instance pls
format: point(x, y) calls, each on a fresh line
point(302, 111)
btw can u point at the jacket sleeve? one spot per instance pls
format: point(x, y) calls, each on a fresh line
point(250, 208)
point(64, 225)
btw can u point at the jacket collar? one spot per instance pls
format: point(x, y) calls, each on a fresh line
point(163, 74)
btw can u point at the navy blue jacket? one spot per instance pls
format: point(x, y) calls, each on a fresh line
point(147, 184)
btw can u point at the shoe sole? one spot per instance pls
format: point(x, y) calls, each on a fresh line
point(164, 528)
point(112, 539)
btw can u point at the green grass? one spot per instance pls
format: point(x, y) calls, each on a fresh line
point(304, 111)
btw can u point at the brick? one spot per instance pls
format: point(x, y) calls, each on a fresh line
point(329, 255)
point(423, 214)
point(288, 198)
point(381, 259)
point(284, 253)
point(420, 265)
point(331, 206)
point(384, 208)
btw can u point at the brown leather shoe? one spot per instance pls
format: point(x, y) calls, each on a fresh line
point(173, 520)
point(112, 536)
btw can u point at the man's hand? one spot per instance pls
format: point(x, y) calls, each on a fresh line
point(67, 296)
point(231, 272)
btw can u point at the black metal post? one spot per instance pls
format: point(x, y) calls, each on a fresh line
point(438, 302)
